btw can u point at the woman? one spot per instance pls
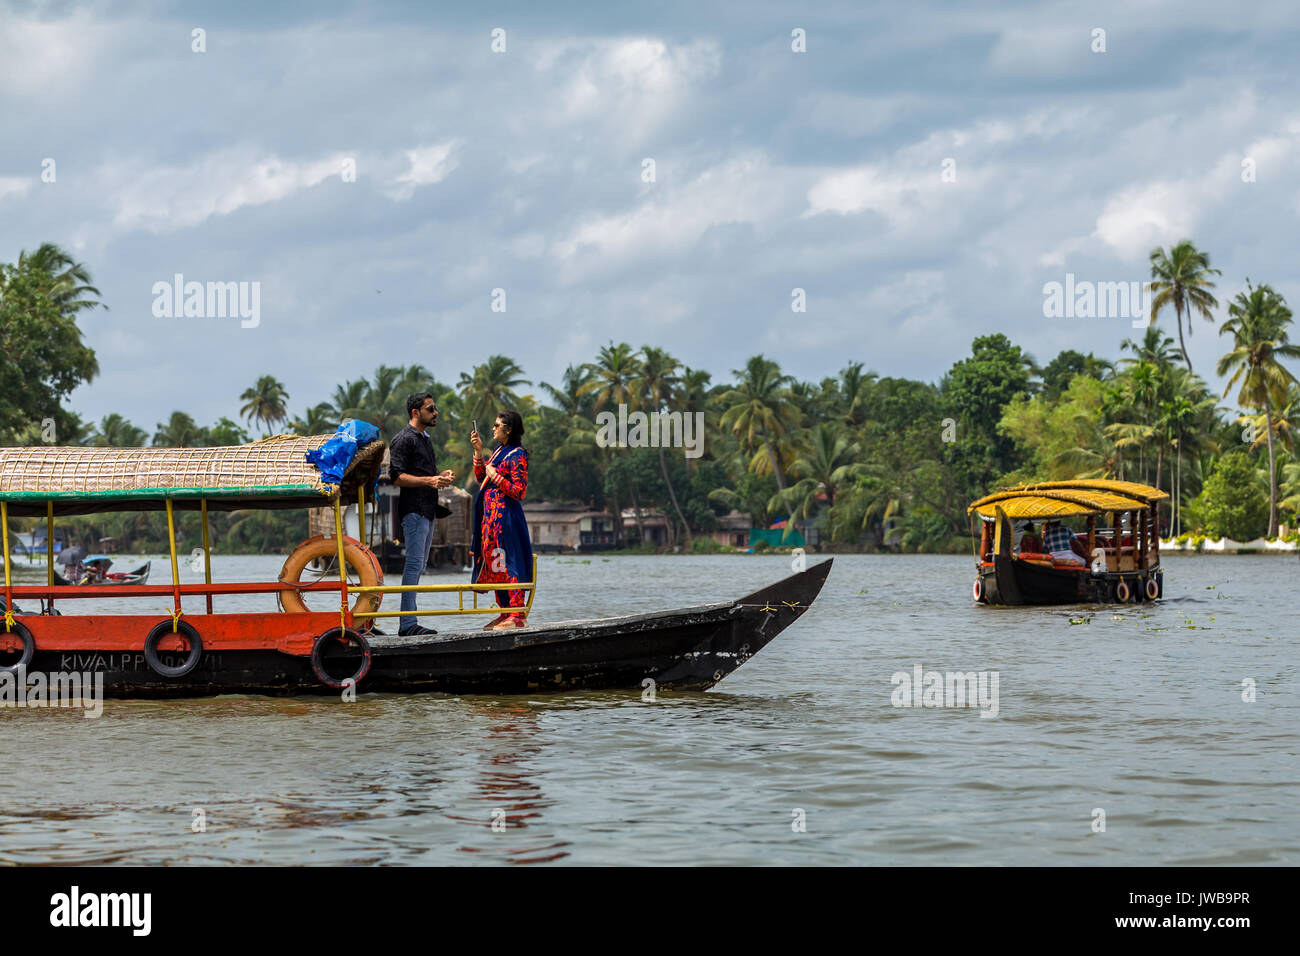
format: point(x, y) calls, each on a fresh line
point(502, 550)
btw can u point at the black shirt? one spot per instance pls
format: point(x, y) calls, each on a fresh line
point(411, 453)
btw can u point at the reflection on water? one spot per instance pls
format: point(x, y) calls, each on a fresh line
point(1136, 710)
point(511, 790)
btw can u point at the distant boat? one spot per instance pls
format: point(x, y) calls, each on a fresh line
point(1124, 551)
point(95, 568)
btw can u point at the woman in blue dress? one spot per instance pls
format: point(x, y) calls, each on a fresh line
point(501, 548)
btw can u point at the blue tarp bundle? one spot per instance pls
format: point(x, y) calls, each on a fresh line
point(333, 457)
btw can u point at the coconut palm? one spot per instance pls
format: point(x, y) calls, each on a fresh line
point(855, 388)
point(349, 400)
point(490, 388)
point(69, 280)
point(116, 432)
point(570, 398)
point(1257, 321)
point(612, 375)
point(320, 419)
point(1181, 278)
point(180, 431)
point(1156, 349)
point(827, 461)
point(760, 414)
point(265, 402)
point(655, 386)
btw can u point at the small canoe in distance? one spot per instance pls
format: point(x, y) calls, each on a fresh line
point(139, 575)
point(689, 648)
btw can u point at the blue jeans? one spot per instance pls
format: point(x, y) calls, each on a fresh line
point(417, 535)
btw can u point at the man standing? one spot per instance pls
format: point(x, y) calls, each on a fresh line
point(413, 468)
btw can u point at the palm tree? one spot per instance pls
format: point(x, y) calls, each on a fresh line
point(828, 460)
point(490, 388)
point(569, 398)
point(1156, 349)
point(116, 432)
point(760, 414)
point(319, 419)
point(181, 431)
point(69, 280)
point(265, 402)
point(855, 387)
point(349, 400)
point(611, 376)
point(1257, 320)
point(1181, 277)
point(656, 385)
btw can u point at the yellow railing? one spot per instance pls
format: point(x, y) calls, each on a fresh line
point(459, 589)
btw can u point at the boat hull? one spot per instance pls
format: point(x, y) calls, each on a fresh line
point(1012, 582)
point(686, 649)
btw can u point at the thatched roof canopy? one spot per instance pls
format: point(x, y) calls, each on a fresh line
point(271, 473)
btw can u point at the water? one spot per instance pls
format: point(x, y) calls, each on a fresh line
point(1137, 712)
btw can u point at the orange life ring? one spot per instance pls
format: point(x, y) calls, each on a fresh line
point(1121, 592)
point(1153, 589)
point(356, 555)
point(978, 589)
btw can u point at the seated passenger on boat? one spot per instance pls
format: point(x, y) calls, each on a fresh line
point(1063, 545)
point(1030, 543)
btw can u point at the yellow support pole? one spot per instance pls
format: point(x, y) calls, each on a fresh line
point(361, 514)
point(4, 532)
point(207, 550)
point(343, 568)
point(532, 590)
point(176, 574)
point(49, 543)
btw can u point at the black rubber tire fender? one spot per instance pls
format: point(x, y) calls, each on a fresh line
point(162, 630)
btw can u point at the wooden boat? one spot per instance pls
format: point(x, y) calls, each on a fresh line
point(104, 576)
point(297, 650)
point(1121, 520)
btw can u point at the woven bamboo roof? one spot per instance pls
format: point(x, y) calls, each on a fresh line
point(1058, 498)
point(1032, 506)
point(271, 473)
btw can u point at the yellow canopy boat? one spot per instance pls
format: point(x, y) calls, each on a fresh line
point(1113, 556)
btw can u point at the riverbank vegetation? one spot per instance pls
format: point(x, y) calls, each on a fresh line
point(862, 460)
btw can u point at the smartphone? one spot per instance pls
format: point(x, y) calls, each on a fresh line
point(474, 423)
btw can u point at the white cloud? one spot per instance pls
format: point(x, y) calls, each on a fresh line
point(630, 84)
point(169, 198)
point(14, 185)
point(428, 165)
point(746, 189)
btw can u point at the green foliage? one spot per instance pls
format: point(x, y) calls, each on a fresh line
point(1232, 504)
point(42, 356)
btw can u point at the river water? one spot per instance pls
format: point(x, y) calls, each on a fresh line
point(1130, 717)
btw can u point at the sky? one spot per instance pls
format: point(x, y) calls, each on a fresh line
point(919, 170)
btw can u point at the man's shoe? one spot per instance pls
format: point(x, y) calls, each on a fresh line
point(415, 630)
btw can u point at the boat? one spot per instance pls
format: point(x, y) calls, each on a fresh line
point(96, 572)
point(336, 646)
point(1120, 521)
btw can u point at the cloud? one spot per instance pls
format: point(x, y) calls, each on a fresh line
point(14, 185)
point(671, 219)
point(428, 165)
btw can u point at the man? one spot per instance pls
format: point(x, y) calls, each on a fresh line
point(1063, 544)
point(414, 470)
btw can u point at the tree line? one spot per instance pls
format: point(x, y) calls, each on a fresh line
point(872, 462)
